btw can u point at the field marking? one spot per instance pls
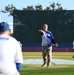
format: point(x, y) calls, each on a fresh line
point(52, 56)
point(40, 61)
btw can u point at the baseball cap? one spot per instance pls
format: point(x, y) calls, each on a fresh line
point(4, 26)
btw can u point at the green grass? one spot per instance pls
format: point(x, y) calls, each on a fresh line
point(32, 53)
point(54, 70)
point(32, 70)
point(62, 53)
point(54, 53)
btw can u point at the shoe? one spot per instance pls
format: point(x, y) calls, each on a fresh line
point(48, 66)
point(43, 64)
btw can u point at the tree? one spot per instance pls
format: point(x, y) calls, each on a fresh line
point(58, 4)
point(29, 8)
point(38, 7)
point(48, 8)
point(9, 8)
point(52, 6)
point(55, 6)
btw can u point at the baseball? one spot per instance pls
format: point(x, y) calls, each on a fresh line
point(42, 8)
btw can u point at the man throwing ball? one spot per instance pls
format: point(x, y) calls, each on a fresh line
point(47, 40)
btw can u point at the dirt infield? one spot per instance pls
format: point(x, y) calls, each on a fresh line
point(52, 56)
point(53, 66)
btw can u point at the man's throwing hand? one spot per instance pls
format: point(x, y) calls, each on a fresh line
point(40, 30)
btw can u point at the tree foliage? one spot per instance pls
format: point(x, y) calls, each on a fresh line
point(52, 6)
point(10, 9)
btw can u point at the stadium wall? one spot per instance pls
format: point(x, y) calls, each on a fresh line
point(27, 23)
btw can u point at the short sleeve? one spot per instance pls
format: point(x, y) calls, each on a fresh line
point(18, 55)
point(43, 33)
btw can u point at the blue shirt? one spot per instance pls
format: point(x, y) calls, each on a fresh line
point(47, 38)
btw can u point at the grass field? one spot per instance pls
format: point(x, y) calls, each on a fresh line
point(54, 70)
